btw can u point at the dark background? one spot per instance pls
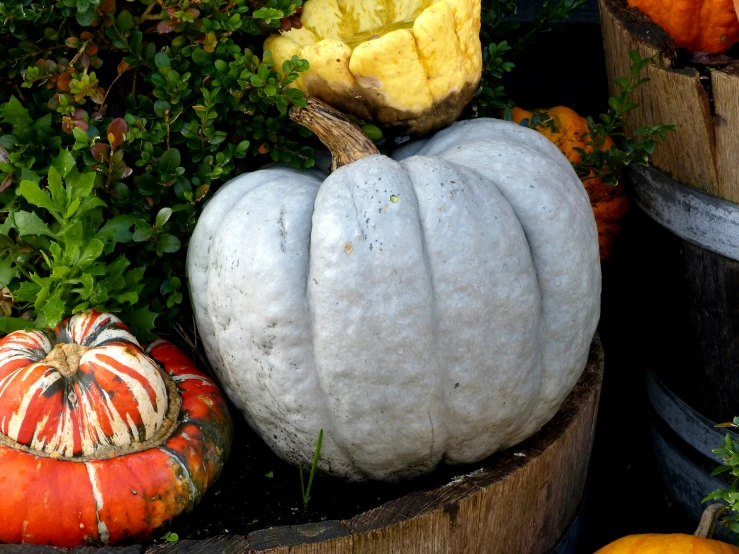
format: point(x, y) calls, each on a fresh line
point(586, 14)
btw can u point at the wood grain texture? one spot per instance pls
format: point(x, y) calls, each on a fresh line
point(725, 86)
point(504, 508)
point(673, 96)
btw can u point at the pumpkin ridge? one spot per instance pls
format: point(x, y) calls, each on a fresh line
point(531, 217)
point(480, 197)
point(107, 451)
point(99, 503)
point(182, 464)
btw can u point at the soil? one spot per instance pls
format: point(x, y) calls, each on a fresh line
point(259, 490)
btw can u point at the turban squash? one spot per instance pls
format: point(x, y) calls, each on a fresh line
point(698, 25)
point(436, 306)
point(411, 65)
point(98, 442)
point(566, 129)
point(699, 543)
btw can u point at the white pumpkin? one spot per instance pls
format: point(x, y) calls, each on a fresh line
point(439, 307)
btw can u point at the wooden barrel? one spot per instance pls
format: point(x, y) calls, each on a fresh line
point(526, 501)
point(685, 305)
point(682, 91)
point(687, 293)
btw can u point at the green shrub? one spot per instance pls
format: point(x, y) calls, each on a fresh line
point(116, 121)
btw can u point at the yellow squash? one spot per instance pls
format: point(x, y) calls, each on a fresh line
point(411, 65)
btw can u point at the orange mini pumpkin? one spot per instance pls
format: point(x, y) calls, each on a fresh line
point(700, 543)
point(566, 129)
point(698, 25)
point(100, 440)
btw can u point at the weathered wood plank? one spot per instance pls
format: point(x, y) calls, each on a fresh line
point(725, 86)
point(298, 535)
point(30, 549)
point(673, 96)
point(214, 545)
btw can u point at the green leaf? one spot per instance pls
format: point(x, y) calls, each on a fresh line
point(13, 113)
point(51, 310)
point(87, 281)
point(168, 243)
point(169, 161)
point(161, 107)
point(161, 60)
point(141, 318)
point(130, 297)
point(72, 236)
point(80, 184)
point(162, 217)
point(7, 271)
point(86, 18)
point(372, 131)
point(58, 194)
point(124, 21)
point(28, 175)
point(64, 161)
point(34, 195)
point(92, 251)
point(134, 276)
point(88, 204)
point(200, 56)
point(118, 228)
point(11, 324)
point(117, 267)
point(143, 231)
point(28, 223)
point(27, 292)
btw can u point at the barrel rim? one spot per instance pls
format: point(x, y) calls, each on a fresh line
point(699, 218)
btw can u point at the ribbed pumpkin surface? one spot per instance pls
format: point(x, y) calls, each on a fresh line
point(119, 491)
point(116, 397)
point(667, 544)
point(698, 25)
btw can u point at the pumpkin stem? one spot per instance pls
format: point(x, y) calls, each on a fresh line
point(344, 139)
point(65, 358)
point(709, 520)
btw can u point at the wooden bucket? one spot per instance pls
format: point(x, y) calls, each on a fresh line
point(525, 502)
point(702, 154)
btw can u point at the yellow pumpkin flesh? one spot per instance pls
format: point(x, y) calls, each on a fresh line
point(411, 65)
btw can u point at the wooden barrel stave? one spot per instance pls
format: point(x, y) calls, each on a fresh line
point(702, 153)
point(688, 292)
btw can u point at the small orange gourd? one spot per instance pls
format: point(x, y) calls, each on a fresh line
point(698, 25)
point(567, 130)
point(700, 543)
